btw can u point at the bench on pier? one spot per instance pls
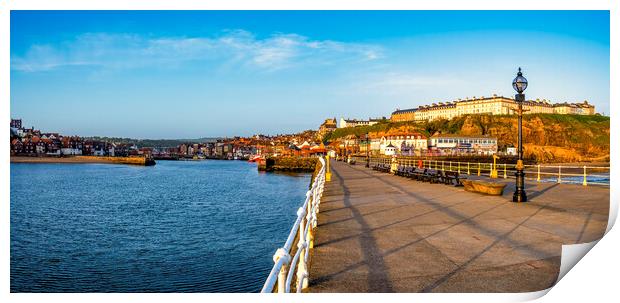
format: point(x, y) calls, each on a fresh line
point(404, 171)
point(430, 175)
point(451, 178)
point(400, 170)
point(382, 167)
point(416, 173)
point(489, 188)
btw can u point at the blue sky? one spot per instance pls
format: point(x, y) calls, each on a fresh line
point(189, 74)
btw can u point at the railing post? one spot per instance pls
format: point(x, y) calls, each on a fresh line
point(478, 169)
point(302, 270)
point(302, 224)
point(442, 165)
point(394, 165)
point(450, 169)
point(468, 168)
point(459, 163)
point(559, 173)
point(538, 175)
point(315, 208)
point(505, 175)
point(328, 172)
point(282, 278)
point(281, 253)
point(310, 205)
point(585, 182)
point(301, 245)
point(310, 237)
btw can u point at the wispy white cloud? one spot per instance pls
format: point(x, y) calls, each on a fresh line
point(398, 81)
point(125, 51)
point(388, 81)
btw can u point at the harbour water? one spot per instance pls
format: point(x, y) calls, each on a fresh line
point(180, 226)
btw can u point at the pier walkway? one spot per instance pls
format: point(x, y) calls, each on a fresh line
point(383, 233)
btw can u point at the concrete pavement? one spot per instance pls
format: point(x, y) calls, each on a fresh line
point(383, 233)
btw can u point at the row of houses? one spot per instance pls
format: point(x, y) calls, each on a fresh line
point(495, 105)
point(28, 141)
point(245, 148)
point(416, 144)
point(220, 149)
point(358, 122)
point(65, 146)
point(305, 149)
point(31, 142)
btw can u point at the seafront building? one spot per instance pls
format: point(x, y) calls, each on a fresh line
point(355, 122)
point(327, 127)
point(448, 144)
point(16, 123)
point(416, 144)
point(405, 144)
point(495, 105)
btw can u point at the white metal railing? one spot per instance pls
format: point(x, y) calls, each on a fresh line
point(573, 174)
point(302, 233)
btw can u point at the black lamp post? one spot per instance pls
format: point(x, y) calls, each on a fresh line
point(520, 84)
point(367, 151)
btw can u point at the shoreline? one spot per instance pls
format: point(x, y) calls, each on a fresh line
point(84, 160)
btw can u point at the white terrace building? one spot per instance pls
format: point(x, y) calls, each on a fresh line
point(495, 105)
point(446, 144)
point(355, 122)
point(408, 144)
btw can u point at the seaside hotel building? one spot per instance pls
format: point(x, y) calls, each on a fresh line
point(496, 105)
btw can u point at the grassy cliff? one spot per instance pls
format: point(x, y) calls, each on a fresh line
point(547, 137)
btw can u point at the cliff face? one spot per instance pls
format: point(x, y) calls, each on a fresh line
point(546, 137)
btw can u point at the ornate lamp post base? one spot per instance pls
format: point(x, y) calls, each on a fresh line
point(519, 194)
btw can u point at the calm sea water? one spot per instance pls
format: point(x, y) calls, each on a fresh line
point(180, 226)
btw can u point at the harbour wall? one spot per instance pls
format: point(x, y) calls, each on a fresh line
point(288, 164)
point(143, 161)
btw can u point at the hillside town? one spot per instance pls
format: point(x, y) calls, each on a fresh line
point(32, 142)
